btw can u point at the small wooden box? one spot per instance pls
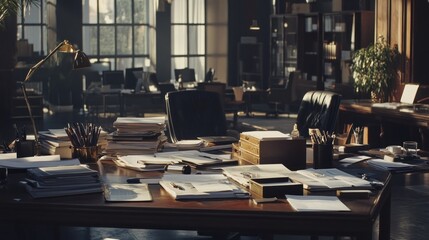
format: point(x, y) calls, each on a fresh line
point(274, 187)
point(290, 152)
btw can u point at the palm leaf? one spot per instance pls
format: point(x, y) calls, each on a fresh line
point(8, 7)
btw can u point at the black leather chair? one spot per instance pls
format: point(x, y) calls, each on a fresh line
point(194, 113)
point(318, 109)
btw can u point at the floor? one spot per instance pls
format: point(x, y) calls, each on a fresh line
point(410, 205)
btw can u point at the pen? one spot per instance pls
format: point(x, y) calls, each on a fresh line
point(177, 186)
point(212, 158)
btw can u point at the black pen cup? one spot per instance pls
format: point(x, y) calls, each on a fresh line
point(86, 154)
point(323, 155)
point(25, 148)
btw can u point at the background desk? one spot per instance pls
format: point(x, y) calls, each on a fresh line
point(236, 215)
point(140, 103)
point(386, 126)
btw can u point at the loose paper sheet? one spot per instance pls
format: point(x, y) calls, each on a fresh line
point(316, 203)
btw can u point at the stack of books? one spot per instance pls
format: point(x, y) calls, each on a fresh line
point(55, 142)
point(62, 181)
point(136, 135)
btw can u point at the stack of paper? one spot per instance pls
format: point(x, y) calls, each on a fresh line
point(118, 192)
point(136, 135)
point(9, 160)
point(390, 166)
point(201, 186)
point(328, 179)
point(62, 181)
point(145, 162)
point(314, 203)
point(197, 159)
point(55, 142)
point(243, 173)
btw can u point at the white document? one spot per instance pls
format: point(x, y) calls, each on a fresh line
point(37, 161)
point(201, 186)
point(267, 135)
point(243, 173)
point(335, 179)
point(118, 192)
point(137, 160)
point(4, 156)
point(409, 93)
point(195, 157)
point(388, 165)
point(314, 203)
point(355, 159)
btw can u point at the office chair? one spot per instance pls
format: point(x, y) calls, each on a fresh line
point(229, 105)
point(132, 76)
point(194, 113)
point(318, 109)
point(112, 83)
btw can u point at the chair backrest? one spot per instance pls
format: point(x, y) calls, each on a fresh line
point(132, 76)
point(216, 87)
point(318, 109)
point(194, 113)
point(185, 74)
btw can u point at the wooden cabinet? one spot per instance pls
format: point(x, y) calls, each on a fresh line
point(310, 55)
point(250, 64)
point(343, 33)
point(318, 45)
point(283, 48)
point(295, 47)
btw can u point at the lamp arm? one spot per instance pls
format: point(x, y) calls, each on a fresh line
point(27, 102)
point(34, 68)
point(24, 91)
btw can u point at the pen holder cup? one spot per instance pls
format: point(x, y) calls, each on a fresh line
point(86, 154)
point(323, 155)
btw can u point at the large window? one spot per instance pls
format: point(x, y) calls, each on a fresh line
point(119, 31)
point(188, 36)
point(32, 30)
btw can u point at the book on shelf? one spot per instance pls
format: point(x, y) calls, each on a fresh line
point(201, 186)
point(62, 181)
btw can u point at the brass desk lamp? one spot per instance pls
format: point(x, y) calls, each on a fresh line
point(80, 61)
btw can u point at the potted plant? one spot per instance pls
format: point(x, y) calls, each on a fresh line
point(374, 69)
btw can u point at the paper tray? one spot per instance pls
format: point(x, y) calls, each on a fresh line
point(274, 187)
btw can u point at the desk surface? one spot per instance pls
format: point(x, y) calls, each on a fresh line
point(166, 213)
point(408, 115)
point(388, 126)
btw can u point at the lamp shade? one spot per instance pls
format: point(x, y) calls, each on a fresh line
point(66, 47)
point(81, 60)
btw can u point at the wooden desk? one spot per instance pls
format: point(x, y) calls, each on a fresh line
point(236, 215)
point(386, 126)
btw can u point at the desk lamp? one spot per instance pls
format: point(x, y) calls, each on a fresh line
point(80, 61)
